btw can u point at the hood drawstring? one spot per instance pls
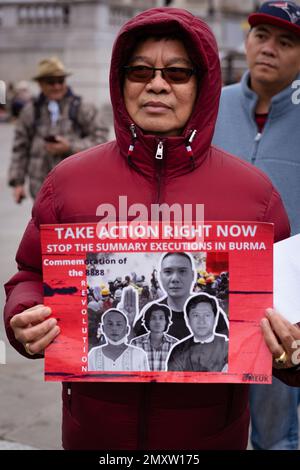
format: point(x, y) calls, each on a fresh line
point(132, 144)
point(159, 150)
point(189, 148)
point(131, 148)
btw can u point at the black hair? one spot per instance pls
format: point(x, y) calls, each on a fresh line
point(201, 298)
point(153, 308)
point(179, 253)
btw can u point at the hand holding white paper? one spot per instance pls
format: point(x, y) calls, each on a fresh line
point(287, 278)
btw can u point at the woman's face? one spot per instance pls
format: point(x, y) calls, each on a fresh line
point(114, 326)
point(159, 106)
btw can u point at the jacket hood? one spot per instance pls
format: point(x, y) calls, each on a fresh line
point(202, 49)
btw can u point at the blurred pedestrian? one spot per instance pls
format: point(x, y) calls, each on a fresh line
point(51, 127)
point(21, 96)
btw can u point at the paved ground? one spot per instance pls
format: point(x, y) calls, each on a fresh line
point(29, 407)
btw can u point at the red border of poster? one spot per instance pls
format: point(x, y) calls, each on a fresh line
point(246, 247)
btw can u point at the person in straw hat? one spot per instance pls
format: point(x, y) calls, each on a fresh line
point(51, 127)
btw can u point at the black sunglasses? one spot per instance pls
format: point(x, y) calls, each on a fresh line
point(53, 80)
point(143, 74)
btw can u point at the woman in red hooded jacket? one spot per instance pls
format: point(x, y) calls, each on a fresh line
point(165, 91)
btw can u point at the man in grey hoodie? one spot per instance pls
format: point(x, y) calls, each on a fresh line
point(259, 121)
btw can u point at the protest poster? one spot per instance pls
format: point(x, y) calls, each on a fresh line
point(158, 302)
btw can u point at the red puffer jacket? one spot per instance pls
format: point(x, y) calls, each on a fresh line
point(150, 416)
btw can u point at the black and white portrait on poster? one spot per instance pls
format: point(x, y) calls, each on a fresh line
point(146, 296)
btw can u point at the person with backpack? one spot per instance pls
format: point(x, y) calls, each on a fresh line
point(51, 127)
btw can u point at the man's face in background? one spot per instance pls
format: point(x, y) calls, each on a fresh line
point(54, 88)
point(273, 55)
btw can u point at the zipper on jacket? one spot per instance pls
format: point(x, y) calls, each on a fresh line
point(257, 139)
point(159, 151)
point(159, 157)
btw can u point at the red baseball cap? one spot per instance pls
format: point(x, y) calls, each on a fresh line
point(285, 15)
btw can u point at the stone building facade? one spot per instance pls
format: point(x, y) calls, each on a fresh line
point(81, 33)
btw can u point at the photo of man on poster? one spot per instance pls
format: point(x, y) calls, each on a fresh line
point(116, 354)
point(177, 278)
point(157, 343)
